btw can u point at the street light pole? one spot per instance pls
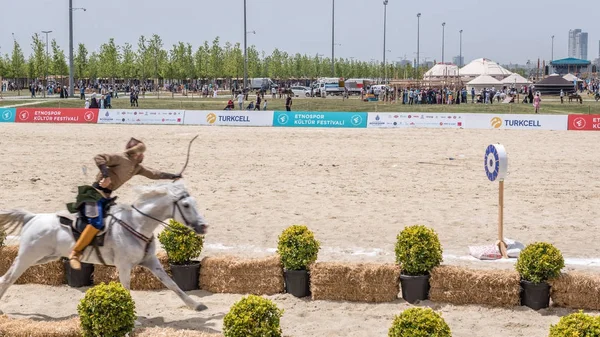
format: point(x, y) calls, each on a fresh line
point(443, 38)
point(418, 41)
point(46, 73)
point(71, 71)
point(552, 58)
point(385, 3)
point(333, 38)
point(461, 59)
point(245, 49)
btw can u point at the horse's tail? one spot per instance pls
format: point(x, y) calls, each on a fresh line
point(12, 221)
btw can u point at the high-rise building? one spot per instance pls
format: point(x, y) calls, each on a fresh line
point(578, 44)
point(459, 60)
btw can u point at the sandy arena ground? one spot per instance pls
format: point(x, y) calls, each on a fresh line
point(356, 189)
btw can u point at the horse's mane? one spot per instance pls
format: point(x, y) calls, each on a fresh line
point(172, 189)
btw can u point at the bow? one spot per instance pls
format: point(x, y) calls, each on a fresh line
point(188, 155)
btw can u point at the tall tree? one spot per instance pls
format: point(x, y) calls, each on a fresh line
point(157, 57)
point(39, 62)
point(216, 60)
point(128, 66)
point(80, 62)
point(59, 63)
point(143, 58)
point(17, 65)
point(109, 60)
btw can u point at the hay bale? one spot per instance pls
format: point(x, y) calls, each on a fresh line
point(459, 285)
point(141, 278)
point(51, 274)
point(576, 290)
point(30, 328)
point(169, 332)
point(362, 282)
point(230, 274)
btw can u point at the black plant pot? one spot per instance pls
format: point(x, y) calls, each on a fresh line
point(535, 295)
point(414, 288)
point(297, 282)
point(79, 278)
point(186, 276)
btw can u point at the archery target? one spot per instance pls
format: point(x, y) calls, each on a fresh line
point(496, 162)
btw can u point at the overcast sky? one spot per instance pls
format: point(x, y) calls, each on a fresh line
point(504, 31)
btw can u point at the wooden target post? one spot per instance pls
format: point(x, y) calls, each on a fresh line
point(496, 166)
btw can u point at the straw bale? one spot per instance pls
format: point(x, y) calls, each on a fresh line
point(576, 290)
point(141, 278)
point(30, 328)
point(461, 278)
point(462, 297)
point(230, 274)
point(459, 285)
point(356, 282)
point(170, 332)
point(52, 273)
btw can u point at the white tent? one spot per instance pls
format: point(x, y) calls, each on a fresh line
point(484, 81)
point(440, 71)
point(484, 66)
point(515, 79)
point(570, 77)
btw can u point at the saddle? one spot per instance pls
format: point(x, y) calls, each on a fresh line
point(77, 223)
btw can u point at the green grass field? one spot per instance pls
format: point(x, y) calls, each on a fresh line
point(549, 106)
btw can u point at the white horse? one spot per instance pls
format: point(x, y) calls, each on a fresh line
point(128, 242)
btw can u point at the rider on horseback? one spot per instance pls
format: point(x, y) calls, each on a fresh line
point(115, 170)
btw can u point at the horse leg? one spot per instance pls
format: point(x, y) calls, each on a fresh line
point(22, 262)
point(125, 279)
point(151, 262)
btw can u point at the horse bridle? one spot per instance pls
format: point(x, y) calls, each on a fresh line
point(175, 206)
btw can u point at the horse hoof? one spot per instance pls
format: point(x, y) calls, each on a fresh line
point(200, 307)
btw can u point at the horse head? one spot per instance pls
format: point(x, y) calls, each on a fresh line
point(175, 200)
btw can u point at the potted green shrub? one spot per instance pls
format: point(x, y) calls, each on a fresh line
point(107, 310)
point(576, 324)
point(538, 263)
point(419, 322)
point(297, 248)
point(253, 316)
point(418, 251)
point(182, 246)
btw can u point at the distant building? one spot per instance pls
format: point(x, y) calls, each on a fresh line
point(570, 65)
point(459, 60)
point(578, 44)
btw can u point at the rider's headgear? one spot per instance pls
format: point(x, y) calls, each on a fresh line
point(135, 146)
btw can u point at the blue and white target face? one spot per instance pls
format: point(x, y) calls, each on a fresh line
point(495, 162)
point(492, 164)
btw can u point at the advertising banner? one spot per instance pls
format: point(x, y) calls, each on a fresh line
point(7, 115)
point(56, 115)
point(229, 118)
point(133, 116)
point(584, 122)
point(320, 119)
point(415, 120)
point(516, 122)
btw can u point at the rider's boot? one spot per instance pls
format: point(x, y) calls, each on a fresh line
point(85, 239)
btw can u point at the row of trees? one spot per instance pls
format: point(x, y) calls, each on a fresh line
point(150, 60)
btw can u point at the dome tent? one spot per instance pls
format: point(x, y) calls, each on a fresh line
point(553, 84)
point(441, 70)
point(484, 66)
point(571, 78)
point(484, 81)
point(515, 79)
